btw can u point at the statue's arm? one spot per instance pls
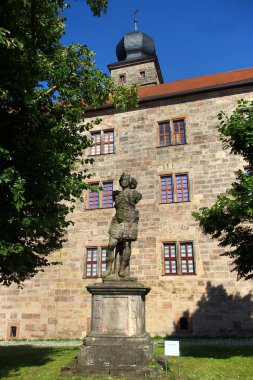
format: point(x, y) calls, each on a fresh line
point(115, 193)
point(138, 197)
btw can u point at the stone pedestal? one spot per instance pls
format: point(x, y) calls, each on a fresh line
point(118, 345)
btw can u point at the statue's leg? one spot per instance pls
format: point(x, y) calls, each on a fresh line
point(118, 256)
point(125, 257)
point(110, 256)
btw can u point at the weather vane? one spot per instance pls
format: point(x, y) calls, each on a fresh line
point(135, 19)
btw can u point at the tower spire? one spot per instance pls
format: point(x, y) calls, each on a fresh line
point(135, 20)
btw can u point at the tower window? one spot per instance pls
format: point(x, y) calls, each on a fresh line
point(122, 78)
point(142, 74)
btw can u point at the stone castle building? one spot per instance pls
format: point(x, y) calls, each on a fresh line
point(171, 145)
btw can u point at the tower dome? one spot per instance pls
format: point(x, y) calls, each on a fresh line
point(135, 45)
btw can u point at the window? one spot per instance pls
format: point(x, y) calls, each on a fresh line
point(172, 132)
point(101, 199)
point(245, 114)
point(94, 198)
point(96, 143)
point(179, 132)
point(183, 323)
point(103, 259)
point(164, 134)
point(13, 332)
point(109, 141)
point(182, 192)
point(170, 258)
point(95, 263)
point(175, 188)
point(91, 262)
point(186, 253)
point(122, 78)
point(142, 74)
point(248, 170)
point(166, 189)
point(107, 194)
point(178, 258)
point(102, 142)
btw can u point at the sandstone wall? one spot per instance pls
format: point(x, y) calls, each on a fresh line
point(132, 74)
point(56, 304)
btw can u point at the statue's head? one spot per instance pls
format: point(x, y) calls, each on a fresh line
point(124, 180)
point(133, 183)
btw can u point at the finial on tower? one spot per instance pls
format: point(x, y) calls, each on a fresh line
point(135, 20)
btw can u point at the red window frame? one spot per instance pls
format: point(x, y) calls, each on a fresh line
point(96, 143)
point(167, 189)
point(164, 134)
point(179, 131)
point(93, 198)
point(170, 258)
point(107, 194)
point(182, 188)
point(187, 258)
point(91, 262)
point(109, 141)
point(172, 133)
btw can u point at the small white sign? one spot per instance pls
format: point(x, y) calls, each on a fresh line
point(171, 348)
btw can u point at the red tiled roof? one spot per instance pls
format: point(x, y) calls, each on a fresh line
point(197, 83)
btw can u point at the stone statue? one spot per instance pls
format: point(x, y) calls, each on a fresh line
point(124, 226)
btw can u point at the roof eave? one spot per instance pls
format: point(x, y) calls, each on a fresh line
point(177, 94)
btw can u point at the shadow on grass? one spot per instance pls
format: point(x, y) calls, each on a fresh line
point(13, 358)
point(216, 351)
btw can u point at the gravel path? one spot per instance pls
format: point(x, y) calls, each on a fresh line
point(42, 343)
point(72, 343)
point(214, 341)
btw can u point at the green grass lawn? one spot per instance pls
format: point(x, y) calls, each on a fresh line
point(197, 362)
point(212, 362)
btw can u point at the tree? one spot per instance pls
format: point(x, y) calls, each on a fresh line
point(230, 218)
point(44, 87)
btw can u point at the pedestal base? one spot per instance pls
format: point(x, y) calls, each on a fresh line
point(118, 345)
point(116, 351)
point(127, 357)
point(122, 372)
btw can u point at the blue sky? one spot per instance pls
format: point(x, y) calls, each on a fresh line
point(192, 37)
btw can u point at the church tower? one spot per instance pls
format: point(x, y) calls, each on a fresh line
point(137, 60)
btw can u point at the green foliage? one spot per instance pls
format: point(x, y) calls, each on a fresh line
point(230, 218)
point(44, 87)
point(98, 6)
